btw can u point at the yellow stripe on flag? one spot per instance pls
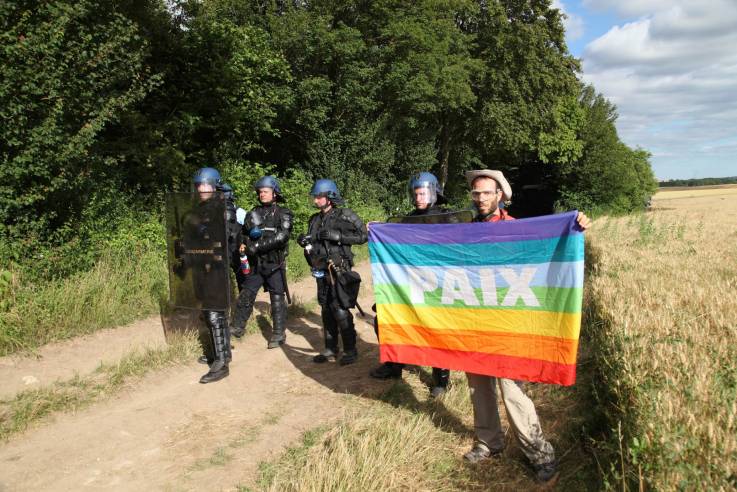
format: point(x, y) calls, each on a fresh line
point(545, 323)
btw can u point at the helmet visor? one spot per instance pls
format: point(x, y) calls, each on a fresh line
point(423, 195)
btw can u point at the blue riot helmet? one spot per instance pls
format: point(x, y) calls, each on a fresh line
point(208, 175)
point(270, 182)
point(433, 192)
point(227, 191)
point(327, 188)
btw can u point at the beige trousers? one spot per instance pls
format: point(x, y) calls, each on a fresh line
point(520, 411)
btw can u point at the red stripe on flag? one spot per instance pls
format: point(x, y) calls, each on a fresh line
point(503, 366)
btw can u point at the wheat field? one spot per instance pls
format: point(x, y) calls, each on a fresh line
point(664, 287)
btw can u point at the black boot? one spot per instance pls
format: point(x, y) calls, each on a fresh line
point(228, 345)
point(219, 368)
point(278, 319)
point(205, 338)
point(243, 310)
point(348, 334)
point(440, 379)
point(330, 331)
point(387, 370)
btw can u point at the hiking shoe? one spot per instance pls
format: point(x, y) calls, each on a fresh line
point(386, 370)
point(238, 331)
point(203, 360)
point(349, 357)
point(479, 452)
point(324, 356)
point(546, 473)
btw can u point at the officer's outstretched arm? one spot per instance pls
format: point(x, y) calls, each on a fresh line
point(356, 233)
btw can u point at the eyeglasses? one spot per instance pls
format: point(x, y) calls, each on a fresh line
point(481, 194)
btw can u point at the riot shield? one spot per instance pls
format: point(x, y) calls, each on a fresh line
point(197, 247)
point(443, 218)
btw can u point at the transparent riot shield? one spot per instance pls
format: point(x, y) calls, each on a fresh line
point(197, 247)
point(442, 218)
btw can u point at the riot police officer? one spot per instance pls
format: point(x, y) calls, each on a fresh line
point(266, 232)
point(426, 194)
point(330, 234)
point(204, 226)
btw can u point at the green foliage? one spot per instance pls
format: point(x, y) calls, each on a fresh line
point(126, 282)
point(107, 105)
point(609, 175)
point(68, 70)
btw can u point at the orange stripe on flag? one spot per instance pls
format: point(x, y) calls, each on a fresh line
point(552, 349)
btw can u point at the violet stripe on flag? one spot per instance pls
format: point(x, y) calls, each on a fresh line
point(439, 287)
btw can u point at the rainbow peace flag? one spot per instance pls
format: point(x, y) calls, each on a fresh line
point(501, 299)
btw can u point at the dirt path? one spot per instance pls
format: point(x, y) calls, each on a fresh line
point(169, 432)
point(81, 355)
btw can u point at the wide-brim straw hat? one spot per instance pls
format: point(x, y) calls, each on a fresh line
point(497, 176)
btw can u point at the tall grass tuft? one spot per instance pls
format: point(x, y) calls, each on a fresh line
point(361, 454)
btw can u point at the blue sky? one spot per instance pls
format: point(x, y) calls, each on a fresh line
point(670, 66)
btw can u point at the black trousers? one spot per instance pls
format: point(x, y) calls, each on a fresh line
point(335, 319)
point(272, 280)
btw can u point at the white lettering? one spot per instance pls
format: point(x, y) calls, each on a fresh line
point(519, 287)
point(421, 280)
point(457, 286)
point(488, 287)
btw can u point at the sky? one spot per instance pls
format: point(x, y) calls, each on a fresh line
point(670, 67)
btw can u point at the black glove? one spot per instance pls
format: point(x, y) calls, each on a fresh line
point(303, 240)
point(329, 235)
point(251, 248)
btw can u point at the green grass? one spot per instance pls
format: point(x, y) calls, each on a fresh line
point(119, 289)
point(30, 406)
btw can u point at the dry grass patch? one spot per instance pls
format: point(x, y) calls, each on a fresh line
point(402, 440)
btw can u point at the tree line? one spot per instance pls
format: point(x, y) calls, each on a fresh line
point(105, 105)
point(698, 182)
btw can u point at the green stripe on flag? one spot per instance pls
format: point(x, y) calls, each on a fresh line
point(555, 299)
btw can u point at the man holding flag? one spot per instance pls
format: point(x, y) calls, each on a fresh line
point(500, 302)
point(488, 190)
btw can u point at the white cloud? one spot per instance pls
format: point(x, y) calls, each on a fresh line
point(573, 23)
point(628, 8)
point(673, 75)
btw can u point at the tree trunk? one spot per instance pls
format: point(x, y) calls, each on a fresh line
point(444, 154)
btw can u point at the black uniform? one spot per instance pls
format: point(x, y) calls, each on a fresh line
point(266, 256)
point(341, 228)
point(202, 230)
point(440, 377)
